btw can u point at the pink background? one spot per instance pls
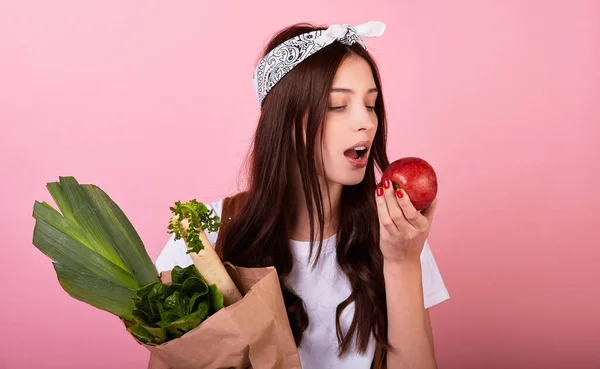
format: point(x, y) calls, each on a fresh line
point(502, 97)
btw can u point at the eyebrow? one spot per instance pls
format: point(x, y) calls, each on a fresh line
point(351, 91)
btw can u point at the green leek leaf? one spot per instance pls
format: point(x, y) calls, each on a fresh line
point(87, 215)
point(62, 249)
point(61, 200)
point(121, 234)
point(45, 212)
point(97, 292)
point(86, 243)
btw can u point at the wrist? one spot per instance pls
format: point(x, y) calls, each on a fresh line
point(399, 268)
point(402, 262)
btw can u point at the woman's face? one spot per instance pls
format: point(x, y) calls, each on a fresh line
point(350, 123)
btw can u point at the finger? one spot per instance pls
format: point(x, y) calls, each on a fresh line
point(394, 208)
point(385, 220)
point(430, 210)
point(410, 212)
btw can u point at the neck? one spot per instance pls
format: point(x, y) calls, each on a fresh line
point(299, 228)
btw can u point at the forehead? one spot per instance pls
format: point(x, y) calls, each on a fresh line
point(354, 72)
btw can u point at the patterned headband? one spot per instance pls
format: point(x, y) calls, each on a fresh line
point(283, 58)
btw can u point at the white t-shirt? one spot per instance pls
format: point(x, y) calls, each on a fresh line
point(321, 290)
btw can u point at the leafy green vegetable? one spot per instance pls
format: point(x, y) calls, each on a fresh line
point(97, 254)
point(100, 259)
point(198, 217)
point(166, 312)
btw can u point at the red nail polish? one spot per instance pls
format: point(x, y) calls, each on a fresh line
point(399, 193)
point(386, 183)
point(379, 191)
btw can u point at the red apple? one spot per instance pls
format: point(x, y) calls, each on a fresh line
point(416, 177)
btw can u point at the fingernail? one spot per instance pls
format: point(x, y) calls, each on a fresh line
point(386, 183)
point(379, 191)
point(399, 193)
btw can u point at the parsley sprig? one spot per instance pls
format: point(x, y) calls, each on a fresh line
point(198, 216)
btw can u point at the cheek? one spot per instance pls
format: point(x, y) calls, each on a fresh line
point(332, 160)
point(332, 147)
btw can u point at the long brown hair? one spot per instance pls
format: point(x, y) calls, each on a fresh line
point(259, 236)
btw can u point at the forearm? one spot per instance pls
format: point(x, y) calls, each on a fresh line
point(407, 329)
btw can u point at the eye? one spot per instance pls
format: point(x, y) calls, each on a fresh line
point(337, 108)
point(370, 108)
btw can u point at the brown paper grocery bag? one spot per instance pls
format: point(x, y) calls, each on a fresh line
point(252, 333)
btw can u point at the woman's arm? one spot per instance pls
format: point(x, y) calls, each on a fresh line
point(409, 330)
point(403, 232)
point(429, 331)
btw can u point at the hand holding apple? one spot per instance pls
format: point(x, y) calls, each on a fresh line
point(405, 206)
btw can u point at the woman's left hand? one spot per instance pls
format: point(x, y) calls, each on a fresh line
point(403, 229)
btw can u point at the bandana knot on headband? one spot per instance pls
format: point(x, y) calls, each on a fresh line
point(287, 55)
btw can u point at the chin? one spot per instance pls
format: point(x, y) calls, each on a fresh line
point(350, 179)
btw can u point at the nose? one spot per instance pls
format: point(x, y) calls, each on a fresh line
point(365, 120)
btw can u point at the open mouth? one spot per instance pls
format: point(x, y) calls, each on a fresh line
point(356, 153)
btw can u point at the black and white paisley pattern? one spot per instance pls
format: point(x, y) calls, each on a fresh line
point(283, 58)
point(352, 37)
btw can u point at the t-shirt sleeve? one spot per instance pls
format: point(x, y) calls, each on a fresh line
point(434, 288)
point(174, 252)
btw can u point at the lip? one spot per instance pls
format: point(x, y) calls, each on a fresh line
point(360, 163)
point(366, 144)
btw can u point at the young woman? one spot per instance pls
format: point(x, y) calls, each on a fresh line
point(356, 271)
